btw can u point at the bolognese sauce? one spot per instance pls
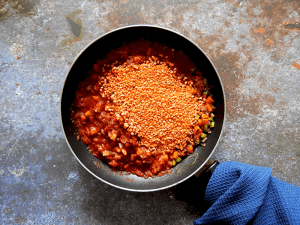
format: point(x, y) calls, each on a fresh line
point(143, 108)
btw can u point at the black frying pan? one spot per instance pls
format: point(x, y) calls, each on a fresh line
point(79, 71)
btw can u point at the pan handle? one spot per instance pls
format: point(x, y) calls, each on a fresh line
point(205, 173)
point(208, 168)
point(192, 191)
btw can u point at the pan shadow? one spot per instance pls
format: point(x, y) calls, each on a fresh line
point(99, 203)
point(192, 192)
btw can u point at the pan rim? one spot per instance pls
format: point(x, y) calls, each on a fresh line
point(130, 189)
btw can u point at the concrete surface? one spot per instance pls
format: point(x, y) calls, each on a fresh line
point(254, 45)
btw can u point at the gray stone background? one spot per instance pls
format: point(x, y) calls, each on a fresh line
point(255, 46)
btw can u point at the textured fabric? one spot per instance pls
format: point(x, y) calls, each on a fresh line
point(246, 194)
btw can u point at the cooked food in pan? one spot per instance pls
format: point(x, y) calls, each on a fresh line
point(143, 108)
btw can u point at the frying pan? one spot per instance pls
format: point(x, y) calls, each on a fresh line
point(79, 71)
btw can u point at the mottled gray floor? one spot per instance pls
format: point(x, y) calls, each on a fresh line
point(42, 183)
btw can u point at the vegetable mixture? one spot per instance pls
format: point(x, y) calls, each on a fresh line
point(143, 108)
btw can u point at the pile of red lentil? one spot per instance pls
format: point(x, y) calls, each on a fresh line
point(143, 108)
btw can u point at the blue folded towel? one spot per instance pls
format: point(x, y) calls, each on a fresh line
point(242, 194)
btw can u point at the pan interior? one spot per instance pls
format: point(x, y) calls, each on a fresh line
point(79, 71)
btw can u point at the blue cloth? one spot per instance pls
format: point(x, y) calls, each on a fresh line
point(246, 194)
